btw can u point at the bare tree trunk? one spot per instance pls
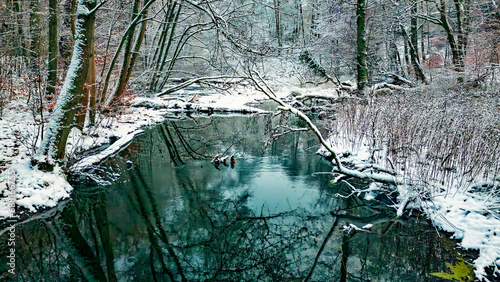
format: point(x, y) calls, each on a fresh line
point(89, 88)
point(53, 44)
point(137, 46)
point(73, 16)
point(413, 43)
point(131, 54)
point(301, 22)
point(106, 99)
point(414, 29)
point(163, 49)
point(21, 46)
point(394, 54)
point(122, 79)
point(36, 32)
point(456, 57)
point(463, 22)
point(362, 57)
point(422, 45)
point(407, 53)
point(277, 21)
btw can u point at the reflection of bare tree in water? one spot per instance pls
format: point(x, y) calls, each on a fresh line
point(212, 240)
point(191, 231)
point(58, 247)
point(391, 249)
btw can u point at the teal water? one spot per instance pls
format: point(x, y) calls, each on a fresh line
point(161, 211)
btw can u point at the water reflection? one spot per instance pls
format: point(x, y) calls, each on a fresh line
point(171, 216)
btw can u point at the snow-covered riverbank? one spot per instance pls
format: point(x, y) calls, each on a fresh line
point(463, 213)
point(33, 190)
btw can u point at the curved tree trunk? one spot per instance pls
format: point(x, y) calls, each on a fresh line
point(126, 40)
point(126, 64)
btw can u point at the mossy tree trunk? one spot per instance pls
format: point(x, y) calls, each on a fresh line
point(53, 147)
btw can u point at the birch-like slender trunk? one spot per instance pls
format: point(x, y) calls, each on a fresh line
point(362, 57)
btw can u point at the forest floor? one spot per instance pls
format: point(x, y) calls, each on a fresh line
point(470, 214)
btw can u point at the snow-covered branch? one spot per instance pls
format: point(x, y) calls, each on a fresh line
point(189, 82)
point(370, 175)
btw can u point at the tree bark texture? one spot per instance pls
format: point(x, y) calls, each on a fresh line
point(362, 66)
point(89, 88)
point(69, 100)
point(53, 49)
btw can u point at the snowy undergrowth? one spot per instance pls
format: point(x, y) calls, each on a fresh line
point(466, 213)
point(33, 189)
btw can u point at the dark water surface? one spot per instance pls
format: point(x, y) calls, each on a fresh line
point(160, 211)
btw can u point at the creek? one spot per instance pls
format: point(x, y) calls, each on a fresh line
point(160, 211)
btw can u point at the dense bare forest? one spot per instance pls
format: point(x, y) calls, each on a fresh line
point(400, 95)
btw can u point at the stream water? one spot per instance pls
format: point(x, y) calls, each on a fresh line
point(161, 211)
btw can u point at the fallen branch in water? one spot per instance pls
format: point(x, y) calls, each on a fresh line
point(366, 174)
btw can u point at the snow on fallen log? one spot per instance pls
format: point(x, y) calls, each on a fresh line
point(331, 97)
point(112, 150)
point(179, 105)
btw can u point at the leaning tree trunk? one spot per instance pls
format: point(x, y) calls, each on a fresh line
point(130, 54)
point(362, 56)
point(106, 99)
point(53, 147)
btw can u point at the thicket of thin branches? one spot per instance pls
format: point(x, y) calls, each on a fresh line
point(438, 138)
